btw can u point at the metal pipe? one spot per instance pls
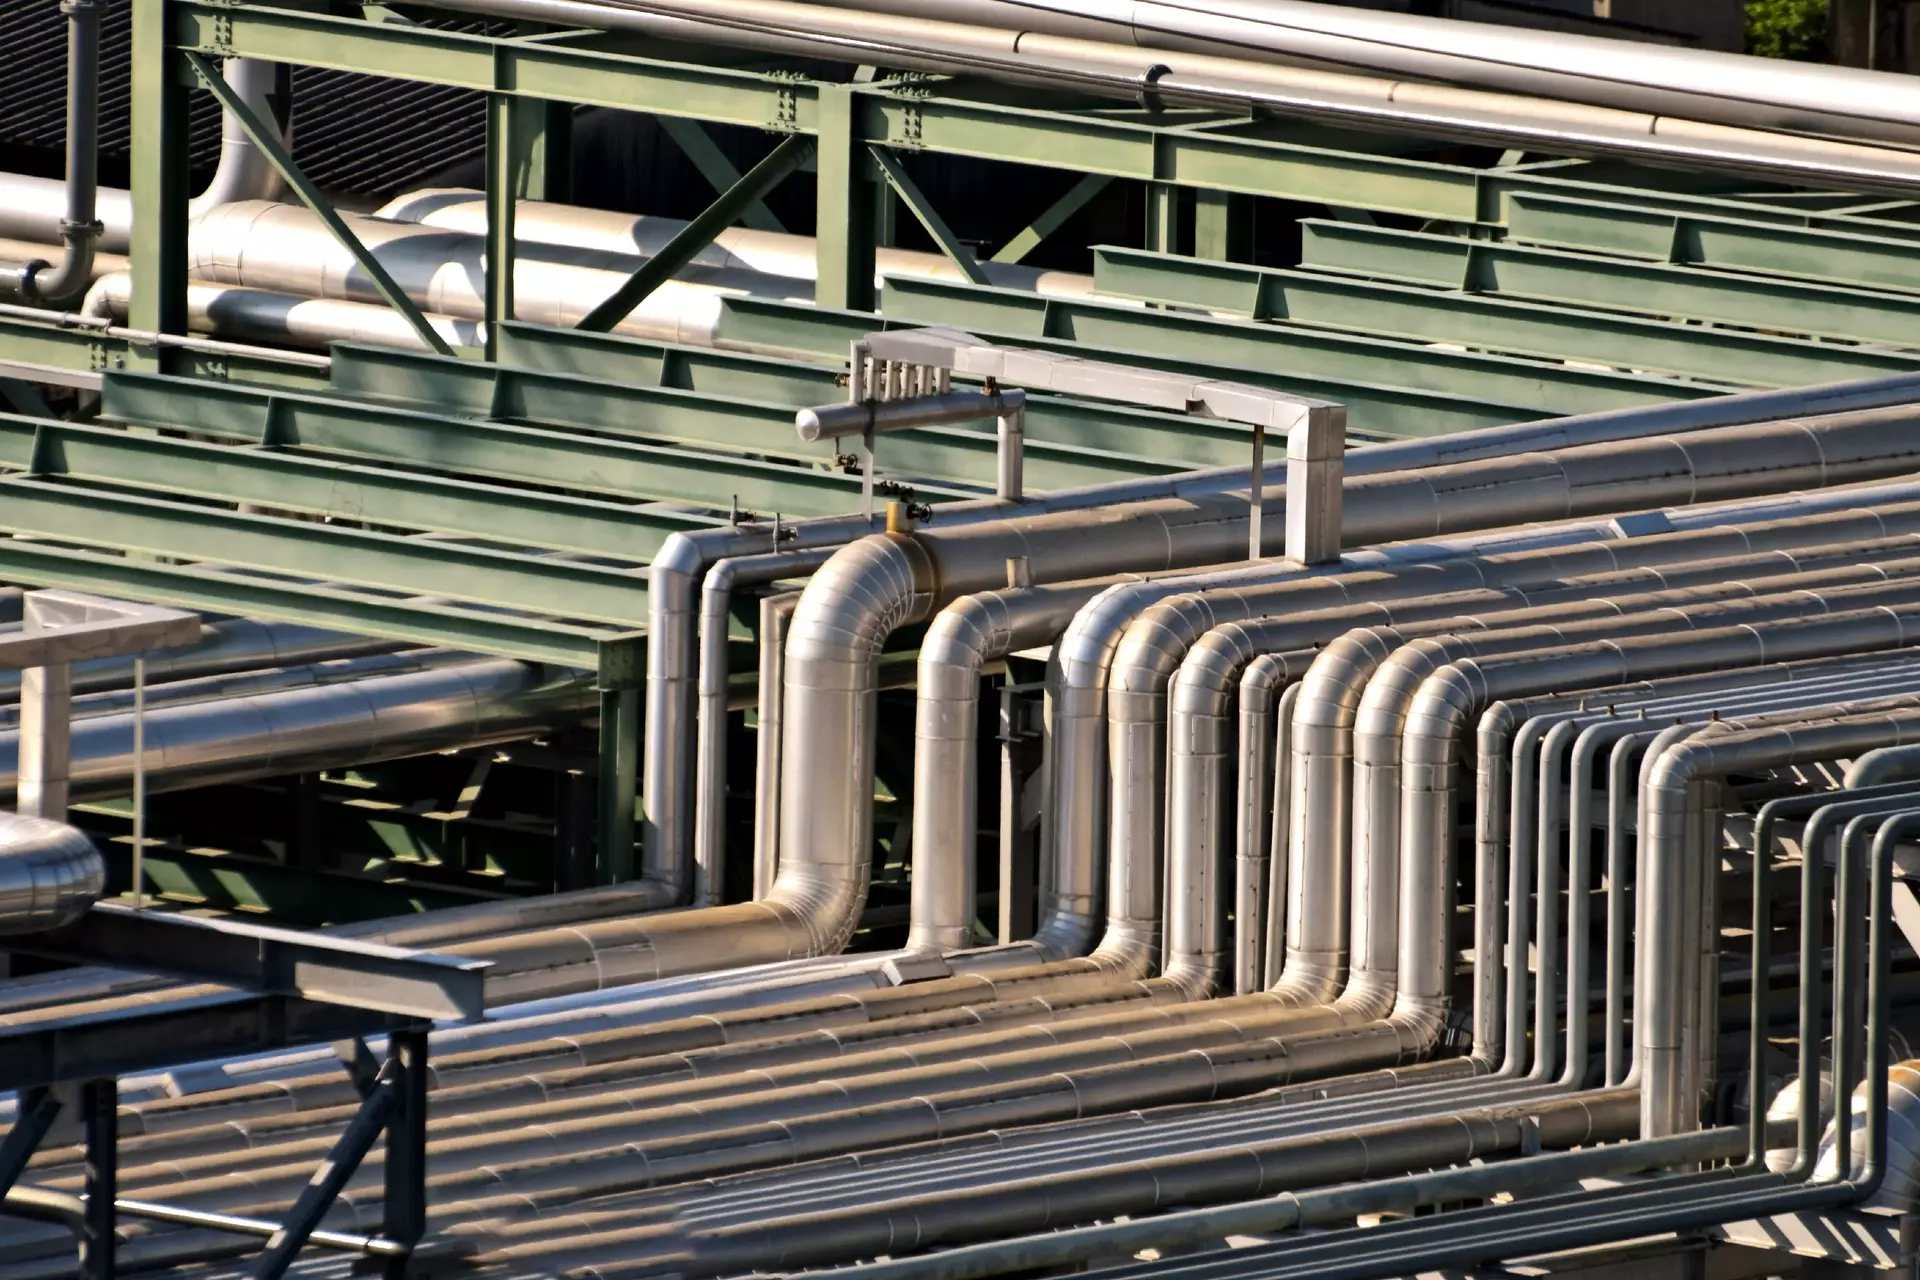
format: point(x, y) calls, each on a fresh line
point(683, 560)
point(50, 873)
point(1630, 76)
point(62, 285)
point(325, 726)
point(716, 617)
point(910, 39)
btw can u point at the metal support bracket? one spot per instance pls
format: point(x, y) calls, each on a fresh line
point(270, 145)
point(698, 234)
point(59, 628)
point(281, 961)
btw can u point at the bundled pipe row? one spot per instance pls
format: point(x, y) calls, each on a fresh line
point(1509, 722)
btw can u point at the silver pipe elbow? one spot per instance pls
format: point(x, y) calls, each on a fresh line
point(50, 873)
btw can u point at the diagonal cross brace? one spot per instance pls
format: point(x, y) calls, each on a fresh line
point(35, 1115)
point(698, 234)
point(268, 140)
point(928, 217)
point(380, 1105)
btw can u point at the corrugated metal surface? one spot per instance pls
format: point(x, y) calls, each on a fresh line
point(352, 133)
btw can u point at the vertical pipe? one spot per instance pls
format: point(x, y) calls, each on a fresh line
point(139, 782)
point(100, 1113)
point(775, 612)
point(619, 745)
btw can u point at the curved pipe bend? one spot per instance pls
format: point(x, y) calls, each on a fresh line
point(50, 873)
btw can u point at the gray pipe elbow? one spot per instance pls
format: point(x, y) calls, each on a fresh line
point(50, 873)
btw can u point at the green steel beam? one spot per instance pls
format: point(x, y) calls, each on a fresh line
point(698, 234)
point(617, 656)
point(1527, 328)
point(48, 344)
point(89, 515)
point(1067, 440)
point(1373, 409)
point(504, 179)
point(943, 454)
point(267, 140)
point(591, 464)
point(1550, 275)
point(1876, 261)
point(927, 216)
point(1545, 387)
point(647, 362)
point(698, 146)
point(383, 496)
point(1053, 218)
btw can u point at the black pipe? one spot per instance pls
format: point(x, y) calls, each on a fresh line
point(65, 284)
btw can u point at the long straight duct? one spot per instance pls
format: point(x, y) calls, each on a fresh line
point(1009, 48)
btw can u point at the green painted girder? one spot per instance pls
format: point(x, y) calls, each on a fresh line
point(1058, 420)
point(1373, 410)
point(1545, 388)
point(1878, 262)
point(33, 342)
point(953, 454)
point(89, 515)
point(1551, 275)
point(1524, 328)
point(1064, 436)
point(568, 460)
point(383, 496)
point(618, 657)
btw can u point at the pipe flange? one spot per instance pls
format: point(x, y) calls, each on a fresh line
point(92, 229)
point(68, 8)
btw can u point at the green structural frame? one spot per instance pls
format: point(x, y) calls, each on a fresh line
point(507, 500)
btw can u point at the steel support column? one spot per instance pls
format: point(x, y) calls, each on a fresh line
point(504, 173)
point(406, 1167)
point(1222, 226)
point(100, 1113)
point(846, 204)
point(619, 770)
point(159, 172)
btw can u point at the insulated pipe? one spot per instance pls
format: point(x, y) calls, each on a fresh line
point(1569, 483)
point(922, 1222)
point(1708, 755)
point(773, 253)
point(716, 619)
point(244, 172)
point(1201, 708)
point(1198, 720)
point(681, 563)
point(62, 285)
point(962, 639)
point(261, 315)
point(1631, 76)
point(909, 40)
point(50, 873)
point(326, 726)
